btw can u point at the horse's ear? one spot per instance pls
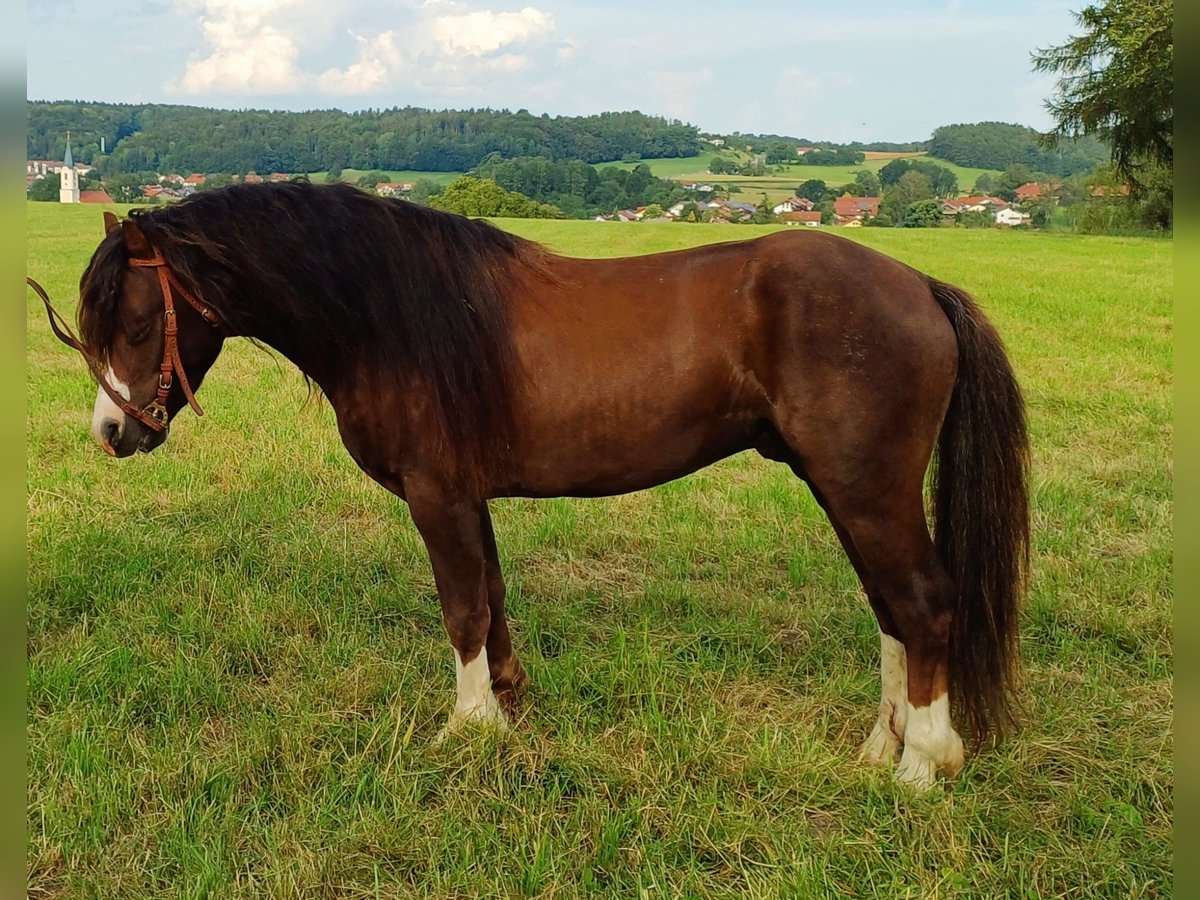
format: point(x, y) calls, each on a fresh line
point(136, 241)
point(110, 222)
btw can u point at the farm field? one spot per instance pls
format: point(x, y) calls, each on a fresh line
point(236, 663)
point(352, 175)
point(781, 186)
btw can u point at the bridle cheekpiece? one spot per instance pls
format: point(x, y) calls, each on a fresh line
point(154, 414)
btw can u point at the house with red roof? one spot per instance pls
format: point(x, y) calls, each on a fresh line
point(793, 204)
point(1030, 190)
point(95, 197)
point(852, 210)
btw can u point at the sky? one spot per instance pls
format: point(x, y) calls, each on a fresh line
point(867, 71)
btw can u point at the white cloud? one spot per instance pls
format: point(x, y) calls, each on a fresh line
point(378, 59)
point(796, 83)
point(568, 48)
point(248, 53)
point(483, 31)
point(254, 47)
point(677, 94)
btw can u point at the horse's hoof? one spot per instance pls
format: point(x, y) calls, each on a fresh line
point(919, 770)
point(487, 716)
point(880, 747)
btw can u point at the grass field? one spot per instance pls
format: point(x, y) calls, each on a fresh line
point(779, 187)
point(236, 663)
point(352, 175)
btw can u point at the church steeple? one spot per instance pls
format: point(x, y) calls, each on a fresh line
point(68, 178)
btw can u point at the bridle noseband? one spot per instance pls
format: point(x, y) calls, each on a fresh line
point(154, 414)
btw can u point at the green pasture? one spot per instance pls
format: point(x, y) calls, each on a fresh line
point(395, 175)
point(781, 186)
point(236, 664)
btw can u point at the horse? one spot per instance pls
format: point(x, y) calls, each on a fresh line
point(464, 364)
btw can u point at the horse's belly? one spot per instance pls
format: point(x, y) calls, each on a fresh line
point(591, 463)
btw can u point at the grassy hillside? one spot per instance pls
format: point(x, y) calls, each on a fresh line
point(779, 186)
point(353, 175)
point(236, 662)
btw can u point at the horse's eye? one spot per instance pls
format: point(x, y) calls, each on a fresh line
point(140, 331)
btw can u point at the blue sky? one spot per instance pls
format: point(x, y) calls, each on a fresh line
point(863, 71)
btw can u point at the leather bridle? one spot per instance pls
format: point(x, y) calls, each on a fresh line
point(154, 414)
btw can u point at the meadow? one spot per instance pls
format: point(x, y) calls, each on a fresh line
point(778, 186)
point(236, 663)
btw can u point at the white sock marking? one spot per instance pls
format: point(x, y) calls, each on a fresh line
point(930, 744)
point(475, 702)
point(888, 734)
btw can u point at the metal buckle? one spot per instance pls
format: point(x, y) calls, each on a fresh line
point(157, 412)
point(169, 381)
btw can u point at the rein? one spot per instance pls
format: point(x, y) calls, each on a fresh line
point(154, 414)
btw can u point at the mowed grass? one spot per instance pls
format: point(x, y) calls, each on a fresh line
point(780, 186)
point(236, 665)
point(394, 175)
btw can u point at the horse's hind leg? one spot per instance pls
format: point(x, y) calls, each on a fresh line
point(892, 540)
point(887, 735)
point(882, 527)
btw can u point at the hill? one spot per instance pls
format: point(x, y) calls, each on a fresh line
point(995, 145)
point(156, 137)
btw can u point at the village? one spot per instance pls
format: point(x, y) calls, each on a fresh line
point(848, 211)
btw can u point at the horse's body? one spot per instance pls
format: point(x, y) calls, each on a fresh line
point(477, 366)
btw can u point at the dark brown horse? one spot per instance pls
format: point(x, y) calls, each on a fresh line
point(465, 363)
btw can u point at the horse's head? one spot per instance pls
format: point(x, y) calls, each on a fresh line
point(149, 350)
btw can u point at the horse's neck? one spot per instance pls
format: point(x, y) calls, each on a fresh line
point(312, 354)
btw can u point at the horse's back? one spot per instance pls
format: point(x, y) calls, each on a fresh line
point(642, 369)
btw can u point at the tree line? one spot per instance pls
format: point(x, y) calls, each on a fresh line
point(994, 145)
point(581, 190)
point(166, 138)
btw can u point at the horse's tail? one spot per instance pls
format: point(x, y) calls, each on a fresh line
point(981, 517)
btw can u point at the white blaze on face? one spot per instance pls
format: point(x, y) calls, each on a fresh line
point(106, 409)
point(475, 702)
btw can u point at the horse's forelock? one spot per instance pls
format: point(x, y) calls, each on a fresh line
point(99, 293)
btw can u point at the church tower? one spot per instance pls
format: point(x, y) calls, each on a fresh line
point(68, 190)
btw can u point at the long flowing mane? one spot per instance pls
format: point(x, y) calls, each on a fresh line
point(413, 292)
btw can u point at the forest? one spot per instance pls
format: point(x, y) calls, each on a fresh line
point(996, 145)
point(579, 189)
point(156, 137)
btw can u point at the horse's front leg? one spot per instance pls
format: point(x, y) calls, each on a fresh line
point(451, 526)
point(508, 675)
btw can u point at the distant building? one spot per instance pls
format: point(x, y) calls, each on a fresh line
point(1030, 190)
point(801, 217)
point(94, 197)
point(793, 204)
point(1011, 216)
point(852, 210)
point(68, 178)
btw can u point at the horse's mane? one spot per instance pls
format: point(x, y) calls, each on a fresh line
point(416, 293)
